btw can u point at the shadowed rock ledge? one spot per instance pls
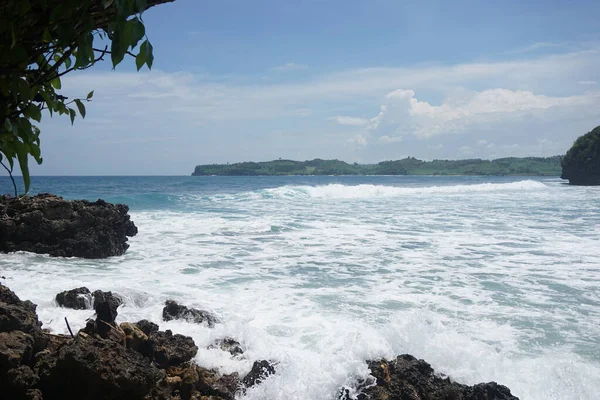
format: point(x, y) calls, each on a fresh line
point(48, 224)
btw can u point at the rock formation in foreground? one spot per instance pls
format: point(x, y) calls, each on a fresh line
point(48, 224)
point(581, 164)
point(407, 378)
point(137, 361)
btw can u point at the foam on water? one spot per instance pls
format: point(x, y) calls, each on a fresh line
point(488, 281)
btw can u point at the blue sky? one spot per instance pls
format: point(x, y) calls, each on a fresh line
point(361, 81)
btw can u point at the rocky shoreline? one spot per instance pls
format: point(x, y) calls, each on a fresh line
point(48, 224)
point(106, 360)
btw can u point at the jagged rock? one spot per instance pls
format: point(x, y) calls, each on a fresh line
point(147, 327)
point(259, 372)
point(78, 299)
point(407, 378)
point(169, 349)
point(18, 315)
point(48, 224)
point(136, 339)
point(223, 387)
point(229, 345)
point(16, 348)
point(173, 310)
point(16, 354)
point(92, 368)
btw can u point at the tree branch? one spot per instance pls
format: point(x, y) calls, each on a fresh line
point(11, 178)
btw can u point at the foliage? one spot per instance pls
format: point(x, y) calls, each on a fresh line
point(40, 42)
point(581, 164)
point(549, 166)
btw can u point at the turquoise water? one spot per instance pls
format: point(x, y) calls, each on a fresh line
point(487, 278)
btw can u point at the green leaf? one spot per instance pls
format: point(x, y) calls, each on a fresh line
point(140, 59)
point(80, 107)
point(47, 37)
point(7, 125)
point(139, 30)
point(56, 83)
point(24, 90)
point(68, 62)
point(108, 3)
point(22, 153)
point(33, 112)
point(72, 114)
point(141, 5)
point(90, 95)
point(146, 47)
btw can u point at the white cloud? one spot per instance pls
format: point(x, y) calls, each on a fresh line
point(587, 82)
point(359, 140)
point(390, 139)
point(403, 111)
point(290, 66)
point(352, 121)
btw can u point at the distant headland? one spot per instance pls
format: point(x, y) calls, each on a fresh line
point(511, 166)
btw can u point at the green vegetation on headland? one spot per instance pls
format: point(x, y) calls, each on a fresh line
point(581, 164)
point(540, 166)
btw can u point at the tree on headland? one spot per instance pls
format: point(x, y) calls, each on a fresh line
point(43, 40)
point(581, 164)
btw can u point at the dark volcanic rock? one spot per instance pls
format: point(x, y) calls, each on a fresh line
point(17, 315)
point(147, 327)
point(172, 310)
point(212, 383)
point(228, 344)
point(169, 349)
point(259, 372)
point(407, 378)
point(78, 299)
point(92, 368)
point(47, 224)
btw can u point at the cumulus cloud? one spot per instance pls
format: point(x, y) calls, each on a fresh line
point(404, 111)
point(358, 140)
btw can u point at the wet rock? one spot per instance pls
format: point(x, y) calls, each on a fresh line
point(92, 368)
point(136, 339)
point(211, 383)
point(48, 224)
point(16, 354)
point(16, 348)
point(409, 378)
point(77, 299)
point(18, 315)
point(229, 345)
point(105, 305)
point(147, 327)
point(259, 372)
point(169, 349)
point(173, 310)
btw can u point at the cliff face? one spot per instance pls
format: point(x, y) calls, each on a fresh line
point(581, 164)
point(48, 224)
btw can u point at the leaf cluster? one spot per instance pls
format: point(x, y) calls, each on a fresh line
point(43, 40)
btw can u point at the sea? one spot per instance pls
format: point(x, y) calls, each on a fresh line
point(486, 278)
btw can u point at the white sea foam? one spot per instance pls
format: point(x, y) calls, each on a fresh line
point(484, 281)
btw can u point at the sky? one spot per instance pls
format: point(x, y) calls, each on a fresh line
point(356, 80)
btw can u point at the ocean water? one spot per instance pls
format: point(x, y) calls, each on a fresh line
point(485, 278)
